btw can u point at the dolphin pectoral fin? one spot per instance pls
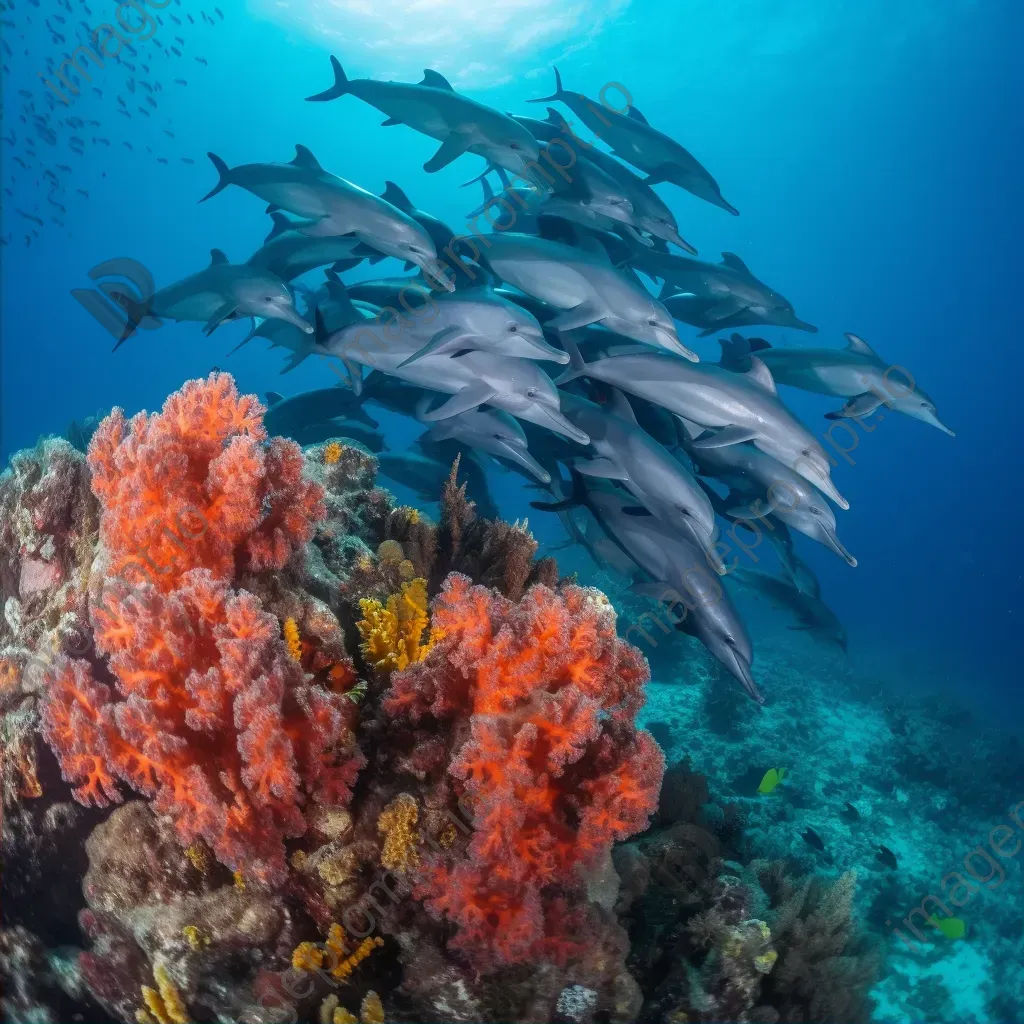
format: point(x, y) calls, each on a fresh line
point(600, 467)
point(355, 376)
point(726, 437)
point(859, 405)
point(468, 398)
point(256, 321)
point(579, 316)
point(294, 359)
point(726, 308)
point(667, 289)
point(659, 174)
point(447, 340)
point(451, 149)
point(221, 314)
point(390, 122)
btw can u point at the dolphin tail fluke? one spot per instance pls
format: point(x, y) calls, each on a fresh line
point(252, 334)
point(556, 95)
point(577, 498)
point(339, 88)
point(294, 359)
point(225, 176)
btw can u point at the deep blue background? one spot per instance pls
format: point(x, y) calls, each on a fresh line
point(873, 149)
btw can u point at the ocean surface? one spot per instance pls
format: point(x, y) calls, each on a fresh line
point(873, 151)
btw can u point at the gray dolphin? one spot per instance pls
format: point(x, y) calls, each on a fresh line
point(479, 318)
point(334, 207)
point(632, 139)
point(471, 377)
point(285, 415)
point(737, 406)
point(222, 291)
point(585, 286)
point(623, 452)
point(812, 614)
point(772, 488)
point(281, 334)
point(856, 372)
point(493, 432)
point(290, 253)
point(432, 107)
point(650, 212)
point(440, 234)
point(728, 289)
point(680, 574)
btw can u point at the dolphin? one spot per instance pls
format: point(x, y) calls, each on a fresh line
point(289, 253)
point(623, 452)
point(334, 206)
point(632, 139)
point(432, 107)
point(471, 377)
point(775, 489)
point(285, 415)
point(857, 373)
point(650, 212)
point(222, 291)
point(679, 573)
point(440, 234)
point(728, 289)
point(420, 473)
point(491, 431)
point(702, 313)
point(514, 202)
point(812, 614)
point(481, 319)
point(585, 286)
point(737, 406)
point(281, 334)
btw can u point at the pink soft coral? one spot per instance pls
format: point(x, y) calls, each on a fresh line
point(211, 718)
point(542, 697)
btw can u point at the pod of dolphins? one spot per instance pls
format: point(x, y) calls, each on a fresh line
point(468, 345)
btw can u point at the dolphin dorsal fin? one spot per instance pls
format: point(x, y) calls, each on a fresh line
point(555, 117)
point(637, 116)
point(761, 374)
point(854, 343)
point(618, 405)
point(217, 257)
point(304, 158)
point(396, 197)
point(730, 259)
point(273, 397)
point(281, 225)
point(436, 80)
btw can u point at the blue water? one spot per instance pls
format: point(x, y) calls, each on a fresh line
point(873, 150)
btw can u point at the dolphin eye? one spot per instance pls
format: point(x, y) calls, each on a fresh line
point(513, 328)
point(514, 145)
point(652, 322)
point(531, 392)
point(815, 511)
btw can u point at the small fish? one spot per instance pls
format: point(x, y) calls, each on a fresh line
point(175, 51)
point(121, 101)
point(771, 779)
point(125, 112)
point(202, 60)
point(129, 145)
point(145, 85)
point(849, 813)
point(106, 142)
point(150, 100)
point(178, 39)
point(22, 162)
point(220, 13)
point(811, 838)
point(82, 192)
point(161, 159)
point(64, 168)
point(180, 81)
point(175, 19)
point(187, 160)
point(952, 927)
point(887, 857)
point(28, 216)
point(144, 111)
point(191, 20)
point(24, 92)
point(128, 65)
point(131, 84)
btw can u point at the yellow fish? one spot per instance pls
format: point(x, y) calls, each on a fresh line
point(771, 779)
point(951, 927)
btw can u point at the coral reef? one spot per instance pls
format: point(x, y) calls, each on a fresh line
point(368, 761)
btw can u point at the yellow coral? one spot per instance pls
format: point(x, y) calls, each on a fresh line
point(406, 570)
point(307, 956)
point(349, 964)
point(447, 836)
point(292, 640)
point(194, 937)
point(397, 824)
point(332, 453)
point(766, 961)
point(342, 1016)
point(372, 1009)
point(164, 1002)
point(392, 633)
point(239, 880)
point(198, 857)
point(411, 514)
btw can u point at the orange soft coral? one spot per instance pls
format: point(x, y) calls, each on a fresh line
point(195, 486)
point(211, 718)
point(539, 699)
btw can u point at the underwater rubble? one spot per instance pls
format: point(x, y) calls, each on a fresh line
point(277, 748)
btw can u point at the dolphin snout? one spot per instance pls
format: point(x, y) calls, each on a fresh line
point(673, 344)
point(832, 541)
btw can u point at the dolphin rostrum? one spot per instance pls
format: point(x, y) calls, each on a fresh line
point(222, 291)
point(855, 372)
point(333, 206)
point(736, 406)
point(432, 107)
point(632, 139)
point(585, 286)
point(679, 573)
